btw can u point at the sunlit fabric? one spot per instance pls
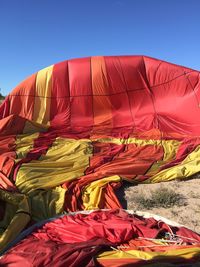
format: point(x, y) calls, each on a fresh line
point(73, 132)
point(104, 238)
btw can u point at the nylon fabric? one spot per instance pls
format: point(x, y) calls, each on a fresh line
point(73, 132)
point(65, 160)
point(42, 98)
point(92, 194)
point(77, 237)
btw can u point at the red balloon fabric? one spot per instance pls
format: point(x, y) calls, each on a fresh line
point(78, 239)
point(70, 134)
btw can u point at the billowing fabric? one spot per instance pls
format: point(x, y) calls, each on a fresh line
point(17, 204)
point(105, 238)
point(73, 132)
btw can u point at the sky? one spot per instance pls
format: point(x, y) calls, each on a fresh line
point(37, 33)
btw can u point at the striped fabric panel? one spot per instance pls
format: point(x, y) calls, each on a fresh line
point(102, 106)
point(24, 143)
point(121, 110)
point(51, 163)
point(42, 101)
point(148, 258)
point(60, 102)
point(93, 194)
point(81, 106)
point(22, 98)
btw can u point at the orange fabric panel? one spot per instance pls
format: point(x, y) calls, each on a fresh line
point(110, 200)
point(102, 107)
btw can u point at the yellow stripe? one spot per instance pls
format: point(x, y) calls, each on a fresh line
point(170, 150)
point(47, 203)
point(143, 142)
point(186, 253)
point(63, 147)
point(24, 143)
point(170, 147)
point(93, 192)
point(33, 127)
point(66, 160)
point(189, 166)
point(13, 222)
point(43, 96)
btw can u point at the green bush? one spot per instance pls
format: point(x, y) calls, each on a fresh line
point(1, 97)
point(161, 197)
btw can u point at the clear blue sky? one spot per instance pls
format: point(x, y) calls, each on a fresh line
point(38, 33)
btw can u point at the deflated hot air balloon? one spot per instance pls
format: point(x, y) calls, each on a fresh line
point(70, 135)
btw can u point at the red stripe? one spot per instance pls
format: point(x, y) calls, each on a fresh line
point(22, 98)
point(40, 147)
point(140, 101)
point(5, 108)
point(60, 103)
point(7, 161)
point(81, 94)
point(118, 93)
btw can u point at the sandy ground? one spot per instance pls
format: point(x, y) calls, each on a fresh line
point(187, 214)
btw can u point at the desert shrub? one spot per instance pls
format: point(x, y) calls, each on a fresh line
point(161, 197)
point(1, 97)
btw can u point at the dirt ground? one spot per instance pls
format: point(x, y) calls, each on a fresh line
point(187, 214)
